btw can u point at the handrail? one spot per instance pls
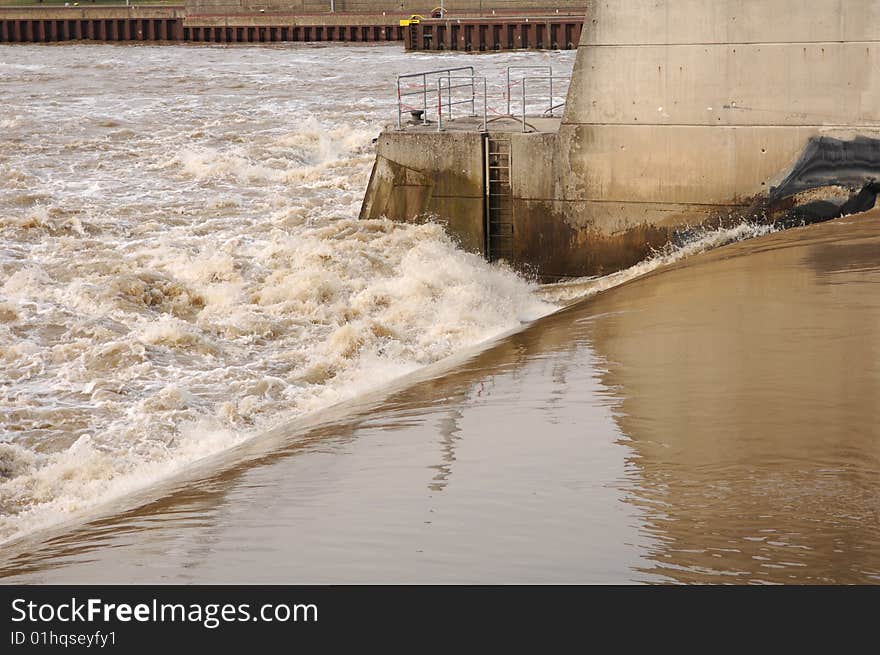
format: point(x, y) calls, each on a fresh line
point(423, 90)
point(548, 68)
point(536, 79)
point(444, 104)
point(450, 103)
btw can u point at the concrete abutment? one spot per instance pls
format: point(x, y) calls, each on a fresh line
point(680, 113)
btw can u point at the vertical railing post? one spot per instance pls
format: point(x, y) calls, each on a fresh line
point(508, 90)
point(439, 104)
point(485, 106)
point(473, 92)
point(449, 93)
point(399, 105)
point(523, 104)
point(425, 98)
point(551, 92)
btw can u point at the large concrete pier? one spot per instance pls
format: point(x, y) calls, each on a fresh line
point(680, 113)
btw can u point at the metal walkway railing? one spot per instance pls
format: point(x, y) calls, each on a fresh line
point(553, 105)
point(431, 96)
point(449, 103)
point(406, 89)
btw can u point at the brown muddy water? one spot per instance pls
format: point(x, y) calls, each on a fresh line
point(211, 372)
point(713, 421)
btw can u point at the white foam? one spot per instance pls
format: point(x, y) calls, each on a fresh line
point(577, 289)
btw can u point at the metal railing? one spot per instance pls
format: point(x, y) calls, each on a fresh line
point(552, 106)
point(424, 90)
point(422, 94)
point(510, 86)
point(450, 102)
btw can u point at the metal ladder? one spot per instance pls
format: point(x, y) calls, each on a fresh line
point(499, 206)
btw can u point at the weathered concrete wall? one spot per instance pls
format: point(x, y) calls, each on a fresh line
point(681, 109)
point(430, 174)
point(682, 112)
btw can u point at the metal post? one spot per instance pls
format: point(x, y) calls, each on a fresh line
point(524, 104)
point(473, 94)
point(439, 103)
point(551, 92)
point(399, 103)
point(485, 105)
point(425, 98)
point(449, 92)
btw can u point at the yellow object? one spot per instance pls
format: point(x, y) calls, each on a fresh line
point(415, 19)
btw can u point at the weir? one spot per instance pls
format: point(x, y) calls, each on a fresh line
point(680, 113)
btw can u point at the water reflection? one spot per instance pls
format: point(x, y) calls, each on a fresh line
point(459, 477)
point(749, 388)
point(449, 433)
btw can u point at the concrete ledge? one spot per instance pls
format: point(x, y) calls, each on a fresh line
point(686, 112)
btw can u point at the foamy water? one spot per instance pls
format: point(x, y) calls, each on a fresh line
point(181, 267)
point(699, 241)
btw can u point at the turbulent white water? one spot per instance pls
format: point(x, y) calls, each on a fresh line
point(181, 266)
